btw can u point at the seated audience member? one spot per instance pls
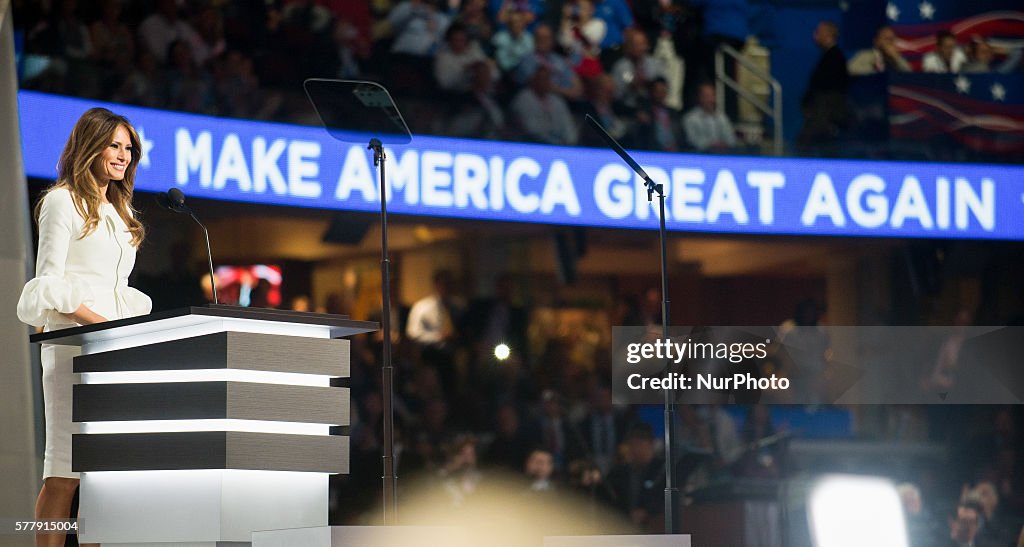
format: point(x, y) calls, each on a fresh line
point(554, 428)
point(564, 80)
point(110, 36)
point(882, 57)
point(981, 56)
point(947, 57)
point(706, 128)
point(658, 127)
point(456, 56)
point(581, 35)
point(617, 18)
point(163, 28)
point(603, 108)
point(418, 27)
point(187, 88)
point(543, 115)
point(512, 442)
point(479, 115)
point(513, 44)
point(500, 9)
point(476, 20)
point(601, 430)
point(638, 482)
point(635, 71)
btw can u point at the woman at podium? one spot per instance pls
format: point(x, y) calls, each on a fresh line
point(88, 237)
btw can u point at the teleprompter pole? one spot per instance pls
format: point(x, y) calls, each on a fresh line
point(387, 370)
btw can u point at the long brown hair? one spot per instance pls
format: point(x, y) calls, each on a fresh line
point(91, 135)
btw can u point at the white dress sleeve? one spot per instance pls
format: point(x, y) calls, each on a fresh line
point(52, 290)
point(136, 302)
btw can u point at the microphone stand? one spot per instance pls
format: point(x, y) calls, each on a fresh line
point(209, 254)
point(387, 368)
point(174, 201)
point(671, 492)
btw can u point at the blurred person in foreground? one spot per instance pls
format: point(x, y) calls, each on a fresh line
point(460, 477)
point(964, 523)
point(997, 527)
point(540, 466)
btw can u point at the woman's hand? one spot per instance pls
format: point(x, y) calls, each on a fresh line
point(84, 316)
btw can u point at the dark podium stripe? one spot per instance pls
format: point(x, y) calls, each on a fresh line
point(210, 401)
point(209, 450)
point(227, 350)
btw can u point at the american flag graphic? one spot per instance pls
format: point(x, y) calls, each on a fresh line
point(983, 112)
point(1000, 22)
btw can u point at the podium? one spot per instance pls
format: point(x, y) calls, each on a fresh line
point(203, 424)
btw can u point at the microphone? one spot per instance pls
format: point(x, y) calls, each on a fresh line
point(174, 200)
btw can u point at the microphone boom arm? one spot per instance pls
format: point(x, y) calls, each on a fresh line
point(209, 255)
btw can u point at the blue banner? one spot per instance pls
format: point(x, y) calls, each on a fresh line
point(280, 164)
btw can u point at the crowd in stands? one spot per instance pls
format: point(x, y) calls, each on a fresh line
point(501, 69)
point(497, 69)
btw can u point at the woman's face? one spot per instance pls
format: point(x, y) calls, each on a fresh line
point(113, 161)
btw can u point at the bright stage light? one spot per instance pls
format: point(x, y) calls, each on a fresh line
point(502, 351)
point(848, 510)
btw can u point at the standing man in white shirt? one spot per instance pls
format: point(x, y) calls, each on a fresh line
point(706, 128)
point(431, 327)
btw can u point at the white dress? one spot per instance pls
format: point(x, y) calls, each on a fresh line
point(71, 271)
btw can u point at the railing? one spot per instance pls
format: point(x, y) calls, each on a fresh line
point(723, 80)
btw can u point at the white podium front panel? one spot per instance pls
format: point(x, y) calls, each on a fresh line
point(197, 506)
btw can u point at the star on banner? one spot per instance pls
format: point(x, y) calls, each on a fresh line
point(147, 148)
point(998, 92)
point(892, 12)
point(963, 85)
point(926, 9)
